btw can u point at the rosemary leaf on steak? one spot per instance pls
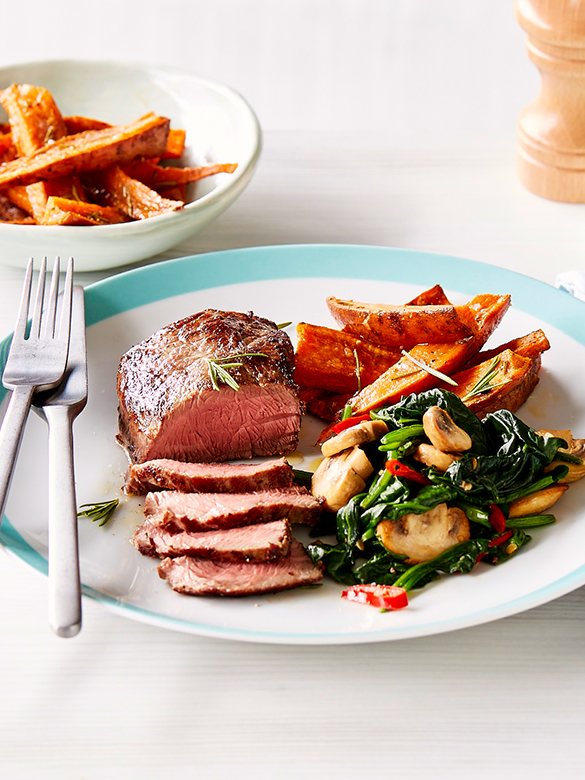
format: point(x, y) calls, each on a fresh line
point(218, 368)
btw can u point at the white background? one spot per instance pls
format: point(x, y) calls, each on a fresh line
point(387, 123)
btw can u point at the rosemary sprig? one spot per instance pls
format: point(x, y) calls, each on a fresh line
point(429, 369)
point(217, 368)
point(484, 384)
point(101, 511)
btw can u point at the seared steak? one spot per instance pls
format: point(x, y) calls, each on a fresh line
point(170, 407)
point(207, 511)
point(263, 542)
point(200, 577)
point(207, 478)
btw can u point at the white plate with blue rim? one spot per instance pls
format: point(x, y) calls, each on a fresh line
point(291, 283)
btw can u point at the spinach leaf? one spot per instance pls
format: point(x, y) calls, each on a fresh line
point(410, 410)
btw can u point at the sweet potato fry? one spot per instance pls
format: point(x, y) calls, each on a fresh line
point(331, 359)
point(34, 117)
point(322, 403)
point(175, 144)
point(531, 346)
point(502, 382)
point(79, 124)
point(62, 211)
point(89, 150)
point(158, 177)
point(133, 197)
point(404, 377)
point(403, 326)
point(9, 212)
point(435, 296)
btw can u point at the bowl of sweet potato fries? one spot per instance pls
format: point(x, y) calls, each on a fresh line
point(113, 163)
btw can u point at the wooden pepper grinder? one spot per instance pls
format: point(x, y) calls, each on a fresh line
point(551, 129)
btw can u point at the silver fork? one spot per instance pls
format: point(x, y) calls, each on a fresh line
point(60, 407)
point(35, 362)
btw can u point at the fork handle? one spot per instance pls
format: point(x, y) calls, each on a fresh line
point(11, 436)
point(64, 580)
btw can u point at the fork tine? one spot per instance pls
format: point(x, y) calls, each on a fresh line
point(35, 328)
point(50, 314)
point(22, 319)
point(65, 324)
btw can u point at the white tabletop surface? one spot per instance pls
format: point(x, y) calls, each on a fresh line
point(505, 699)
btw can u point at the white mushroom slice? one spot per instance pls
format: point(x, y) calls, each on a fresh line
point(537, 502)
point(577, 449)
point(423, 537)
point(443, 432)
point(340, 477)
point(361, 433)
point(431, 456)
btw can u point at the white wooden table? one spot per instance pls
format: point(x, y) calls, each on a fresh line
point(125, 700)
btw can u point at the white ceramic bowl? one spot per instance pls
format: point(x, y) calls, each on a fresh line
point(220, 127)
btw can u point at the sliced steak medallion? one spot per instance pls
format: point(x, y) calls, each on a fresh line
point(209, 511)
point(201, 577)
point(263, 542)
point(173, 403)
point(164, 474)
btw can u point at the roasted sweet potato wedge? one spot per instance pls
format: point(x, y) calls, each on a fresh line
point(434, 296)
point(405, 377)
point(89, 150)
point(158, 177)
point(403, 326)
point(503, 382)
point(322, 403)
point(34, 117)
point(9, 212)
point(531, 346)
point(62, 211)
point(333, 360)
point(134, 198)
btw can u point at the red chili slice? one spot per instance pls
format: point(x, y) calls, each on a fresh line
point(349, 422)
point(497, 519)
point(382, 596)
point(399, 469)
point(501, 539)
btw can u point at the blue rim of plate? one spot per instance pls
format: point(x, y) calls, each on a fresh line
point(166, 279)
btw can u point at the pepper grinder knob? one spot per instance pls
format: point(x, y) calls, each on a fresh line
point(551, 130)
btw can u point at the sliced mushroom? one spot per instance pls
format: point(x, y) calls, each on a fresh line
point(366, 431)
point(443, 432)
point(340, 477)
point(537, 502)
point(423, 537)
point(577, 449)
point(431, 456)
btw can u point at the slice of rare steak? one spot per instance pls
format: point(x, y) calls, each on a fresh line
point(263, 542)
point(173, 402)
point(166, 474)
point(200, 577)
point(207, 511)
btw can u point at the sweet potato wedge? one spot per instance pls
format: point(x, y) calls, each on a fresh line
point(9, 212)
point(435, 296)
point(332, 359)
point(62, 211)
point(79, 124)
point(34, 117)
point(531, 346)
point(404, 377)
point(506, 380)
point(403, 326)
point(158, 177)
point(322, 403)
point(175, 144)
point(89, 150)
point(133, 197)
